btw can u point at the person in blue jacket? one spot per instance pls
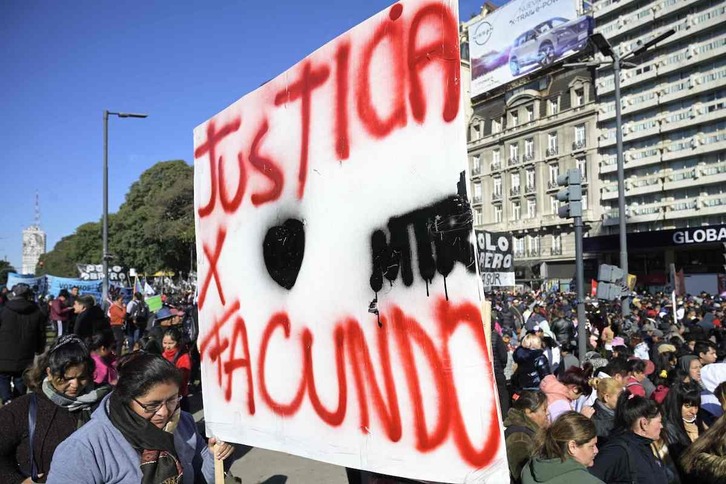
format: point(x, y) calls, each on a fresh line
point(139, 433)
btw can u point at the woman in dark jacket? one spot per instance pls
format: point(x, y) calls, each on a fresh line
point(527, 415)
point(627, 457)
point(704, 461)
point(681, 422)
point(63, 396)
point(608, 391)
point(532, 365)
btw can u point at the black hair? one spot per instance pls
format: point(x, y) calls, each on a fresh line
point(529, 400)
point(174, 334)
point(66, 351)
point(636, 365)
point(100, 339)
point(617, 366)
point(139, 371)
point(578, 377)
point(680, 394)
point(87, 301)
point(703, 347)
point(631, 407)
point(150, 345)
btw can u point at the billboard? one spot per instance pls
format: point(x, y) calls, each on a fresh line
point(521, 37)
point(340, 317)
point(495, 258)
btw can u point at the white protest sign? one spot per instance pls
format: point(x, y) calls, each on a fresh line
point(338, 295)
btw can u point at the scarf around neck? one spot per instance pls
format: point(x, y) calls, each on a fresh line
point(159, 461)
point(83, 403)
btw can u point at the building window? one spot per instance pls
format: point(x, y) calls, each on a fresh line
point(551, 144)
point(497, 213)
point(554, 204)
point(554, 172)
point(529, 179)
point(475, 132)
point(476, 164)
point(496, 125)
point(531, 208)
point(477, 192)
point(556, 244)
point(553, 105)
point(518, 246)
point(579, 97)
point(514, 118)
point(584, 200)
point(528, 149)
point(478, 219)
point(516, 210)
point(496, 160)
point(497, 187)
point(533, 245)
point(582, 166)
point(580, 134)
point(513, 153)
point(530, 113)
point(515, 184)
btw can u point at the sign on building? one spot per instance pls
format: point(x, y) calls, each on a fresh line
point(521, 37)
point(338, 295)
point(495, 258)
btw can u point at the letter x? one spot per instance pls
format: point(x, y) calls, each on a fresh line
point(212, 272)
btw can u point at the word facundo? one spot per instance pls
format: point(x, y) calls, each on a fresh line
point(407, 59)
point(353, 358)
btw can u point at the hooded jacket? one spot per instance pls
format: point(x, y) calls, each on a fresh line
point(711, 376)
point(557, 393)
point(532, 366)
point(519, 444)
point(554, 471)
point(22, 335)
point(604, 420)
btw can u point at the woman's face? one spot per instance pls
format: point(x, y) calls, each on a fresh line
point(694, 371)
point(651, 428)
point(72, 382)
point(539, 416)
point(158, 404)
point(689, 412)
point(573, 392)
point(585, 453)
point(168, 343)
point(611, 399)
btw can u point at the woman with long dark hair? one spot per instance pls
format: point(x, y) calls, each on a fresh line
point(681, 422)
point(62, 398)
point(139, 433)
point(526, 416)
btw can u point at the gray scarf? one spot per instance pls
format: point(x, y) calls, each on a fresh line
point(87, 400)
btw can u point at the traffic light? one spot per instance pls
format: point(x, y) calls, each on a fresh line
point(611, 282)
point(572, 194)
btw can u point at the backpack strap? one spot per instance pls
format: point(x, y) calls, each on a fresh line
point(32, 416)
point(632, 467)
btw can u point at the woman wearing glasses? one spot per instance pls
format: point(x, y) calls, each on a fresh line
point(139, 433)
point(61, 400)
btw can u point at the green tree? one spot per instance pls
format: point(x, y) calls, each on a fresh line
point(153, 229)
point(5, 268)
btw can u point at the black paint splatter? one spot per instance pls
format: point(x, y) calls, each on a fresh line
point(283, 250)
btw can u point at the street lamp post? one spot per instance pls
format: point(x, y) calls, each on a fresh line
point(618, 64)
point(106, 256)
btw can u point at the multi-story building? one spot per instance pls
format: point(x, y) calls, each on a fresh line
point(520, 139)
point(674, 134)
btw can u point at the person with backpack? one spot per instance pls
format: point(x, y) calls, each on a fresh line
point(176, 352)
point(627, 457)
point(527, 415)
point(137, 317)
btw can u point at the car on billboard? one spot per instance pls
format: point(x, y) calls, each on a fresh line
point(548, 40)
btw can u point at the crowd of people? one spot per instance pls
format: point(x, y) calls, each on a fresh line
point(645, 404)
point(94, 395)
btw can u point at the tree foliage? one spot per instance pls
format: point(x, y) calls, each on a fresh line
point(5, 268)
point(153, 229)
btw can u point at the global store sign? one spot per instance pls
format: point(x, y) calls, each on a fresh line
point(699, 236)
point(521, 37)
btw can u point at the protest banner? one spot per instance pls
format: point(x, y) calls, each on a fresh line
point(94, 272)
point(55, 284)
point(339, 301)
point(37, 283)
point(496, 260)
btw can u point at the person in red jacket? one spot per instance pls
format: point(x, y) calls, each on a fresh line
point(61, 312)
point(176, 352)
point(117, 315)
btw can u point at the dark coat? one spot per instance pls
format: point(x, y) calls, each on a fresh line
point(22, 335)
point(564, 331)
point(532, 367)
point(53, 425)
point(604, 420)
point(519, 444)
point(613, 463)
point(91, 321)
point(707, 468)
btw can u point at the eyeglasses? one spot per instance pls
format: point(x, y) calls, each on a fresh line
point(152, 408)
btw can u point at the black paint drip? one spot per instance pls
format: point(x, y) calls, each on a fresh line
point(441, 232)
point(283, 251)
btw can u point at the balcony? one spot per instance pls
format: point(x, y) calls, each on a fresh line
point(551, 152)
point(552, 184)
point(528, 157)
point(532, 252)
point(578, 145)
point(476, 171)
point(514, 191)
point(476, 199)
point(518, 253)
point(496, 165)
point(556, 251)
point(496, 196)
point(530, 188)
point(513, 160)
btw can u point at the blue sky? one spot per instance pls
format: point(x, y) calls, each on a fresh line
point(181, 62)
